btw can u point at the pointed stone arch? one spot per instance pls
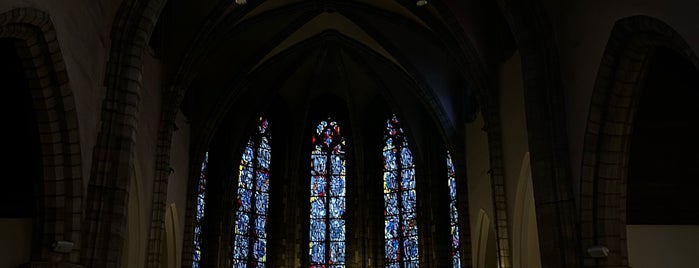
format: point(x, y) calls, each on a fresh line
point(112, 164)
point(38, 47)
point(621, 76)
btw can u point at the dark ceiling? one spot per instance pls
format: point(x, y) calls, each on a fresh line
point(224, 55)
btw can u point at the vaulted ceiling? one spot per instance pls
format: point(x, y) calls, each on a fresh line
point(415, 57)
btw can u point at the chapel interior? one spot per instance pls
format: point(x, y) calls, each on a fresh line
point(349, 133)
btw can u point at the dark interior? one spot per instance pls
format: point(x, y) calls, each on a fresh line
point(22, 156)
point(663, 179)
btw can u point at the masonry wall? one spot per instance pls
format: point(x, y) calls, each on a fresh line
point(679, 245)
point(145, 156)
point(520, 198)
point(15, 242)
point(83, 36)
point(177, 186)
point(582, 29)
point(82, 28)
point(480, 196)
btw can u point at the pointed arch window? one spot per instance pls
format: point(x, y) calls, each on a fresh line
point(400, 201)
point(327, 221)
point(454, 214)
point(252, 199)
point(199, 213)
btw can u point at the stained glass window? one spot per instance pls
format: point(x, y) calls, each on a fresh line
point(454, 214)
point(201, 194)
point(400, 201)
point(327, 220)
point(249, 230)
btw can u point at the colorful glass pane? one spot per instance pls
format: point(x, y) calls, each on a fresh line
point(454, 214)
point(327, 215)
point(400, 199)
point(252, 201)
point(199, 214)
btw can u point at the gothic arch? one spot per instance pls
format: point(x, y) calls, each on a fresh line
point(621, 76)
point(38, 47)
point(113, 161)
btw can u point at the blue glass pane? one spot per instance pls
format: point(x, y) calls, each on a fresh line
point(410, 248)
point(389, 144)
point(452, 188)
point(391, 226)
point(247, 156)
point(239, 264)
point(196, 258)
point(337, 207)
point(245, 177)
point(408, 178)
point(199, 213)
point(317, 252)
point(262, 182)
point(337, 252)
point(450, 166)
point(241, 247)
point(260, 226)
point(242, 223)
point(318, 227)
point(392, 248)
point(264, 144)
point(453, 217)
point(455, 237)
point(412, 264)
point(391, 204)
point(318, 162)
point(337, 230)
point(338, 165)
point(408, 200)
point(244, 196)
point(258, 250)
point(318, 186)
point(409, 225)
point(197, 235)
point(317, 207)
point(261, 203)
point(200, 206)
point(337, 186)
point(263, 156)
point(390, 181)
point(406, 157)
point(389, 160)
point(454, 213)
point(456, 260)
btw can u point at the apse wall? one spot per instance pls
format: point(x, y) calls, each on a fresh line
point(521, 210)
point(480, 198)
point(15, 242)
point(679, 245)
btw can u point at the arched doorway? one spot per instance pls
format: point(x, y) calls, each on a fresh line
point(639, 120)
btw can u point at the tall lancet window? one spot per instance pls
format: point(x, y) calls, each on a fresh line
point(454, 214)
point(327, 226)
point(199, 216)
point(400, 200)
point(249, 232)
